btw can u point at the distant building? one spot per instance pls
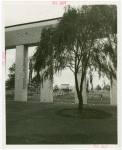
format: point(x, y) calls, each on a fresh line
point(64, 86)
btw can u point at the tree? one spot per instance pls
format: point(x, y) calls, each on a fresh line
point(91, 78)
point(81, 41)
point(87, 85)
point(106, 87)
point(34, 83)
point(98, 87)
point(10, 83)
point(56, 88)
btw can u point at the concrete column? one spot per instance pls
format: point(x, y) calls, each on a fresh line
point(21, 68)
point(113, 93)
point(46, 91)
point(84, 91)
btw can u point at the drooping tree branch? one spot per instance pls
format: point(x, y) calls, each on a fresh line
point(72, 43)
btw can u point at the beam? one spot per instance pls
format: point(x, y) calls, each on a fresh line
point(26, 34)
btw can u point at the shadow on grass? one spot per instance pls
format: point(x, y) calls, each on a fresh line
point(86, 113)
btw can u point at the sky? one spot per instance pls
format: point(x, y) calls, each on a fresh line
point(18, 13)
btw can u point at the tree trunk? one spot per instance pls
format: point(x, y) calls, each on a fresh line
point(80, 104)
point(79, 95)
point(79, 87)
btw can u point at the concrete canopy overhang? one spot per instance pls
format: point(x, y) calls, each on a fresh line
point(26, 34)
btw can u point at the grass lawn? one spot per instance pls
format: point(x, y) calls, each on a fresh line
point(92, 97)
point(39, 123)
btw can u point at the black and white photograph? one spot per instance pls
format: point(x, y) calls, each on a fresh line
point(61, 62)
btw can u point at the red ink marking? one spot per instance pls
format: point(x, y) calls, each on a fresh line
point(54, 3)
point(96, 146)
point(102, 146)
point(3, 62)
point(3, 58)
point(3, 55)
point(63, 3)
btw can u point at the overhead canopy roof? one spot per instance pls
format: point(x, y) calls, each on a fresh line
point(26, 34)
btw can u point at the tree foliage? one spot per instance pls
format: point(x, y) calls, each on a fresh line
point(10, 82)
point(84, 38)
point(43, 56)
point(56, 88)
point(98, 87)
point(106, 87)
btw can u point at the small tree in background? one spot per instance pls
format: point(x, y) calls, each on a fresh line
point(34, 83)
point(10, 82)
point(98, 87)
point(106, 87)
point(87, 85)
point(56, 88)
